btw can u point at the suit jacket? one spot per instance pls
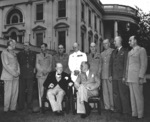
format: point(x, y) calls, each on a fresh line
point(43, 64)
point(63, 83)
point(10, 66)
point(118, 64)
point(136, 64)
point(105, 60)
point(95, 63)
point(91, 80)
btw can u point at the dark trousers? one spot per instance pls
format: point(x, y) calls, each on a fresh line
point(121, 97)
point(25, 89)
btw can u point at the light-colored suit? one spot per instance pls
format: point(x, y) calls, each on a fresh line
point(10, 75)
point(95, 63)
point(136, 68)
point(83, 81)
point(43, 64)
point(106, 84)
point(74, 63)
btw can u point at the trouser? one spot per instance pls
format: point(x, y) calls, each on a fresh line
point(137, 99)
point(107, 94)
point(41, 89)
point(55, 97)
point(25, 87)
point(121, 97)
point(82, 96)
point(10, 94)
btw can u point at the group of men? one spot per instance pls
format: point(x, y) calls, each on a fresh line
point(120, 72)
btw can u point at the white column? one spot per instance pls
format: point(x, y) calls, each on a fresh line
point(115, 28)
point(1, 22)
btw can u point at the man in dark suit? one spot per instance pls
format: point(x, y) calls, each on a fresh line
point(57, 83)
point(117, 75)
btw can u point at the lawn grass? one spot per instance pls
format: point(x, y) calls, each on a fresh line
point(24, 116)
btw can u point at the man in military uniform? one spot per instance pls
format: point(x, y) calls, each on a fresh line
point(75, 60)
point(62, 58)
point(106, 83)
point(43, 66)
point(26, 60)
point(10, 75)
point(94, 59)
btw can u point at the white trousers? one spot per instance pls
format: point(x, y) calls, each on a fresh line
point(137, 99)
point(10, 94)
point(82, 95)
point(55, 97)
point(108, 95)
point(41, 89)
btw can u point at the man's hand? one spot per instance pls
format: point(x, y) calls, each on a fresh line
point(51, 86)
point(141, 80)
point(124, 81)
point(70, 84)
point(76, 72)
point(88, 88)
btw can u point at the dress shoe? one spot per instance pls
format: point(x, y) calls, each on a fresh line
point(83, 116)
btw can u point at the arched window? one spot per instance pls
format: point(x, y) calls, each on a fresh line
point(14, 16)
point(14, 19)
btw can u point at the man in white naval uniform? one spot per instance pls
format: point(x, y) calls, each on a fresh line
point(75, 60)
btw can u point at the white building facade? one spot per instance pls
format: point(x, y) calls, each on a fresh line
point(54, 22)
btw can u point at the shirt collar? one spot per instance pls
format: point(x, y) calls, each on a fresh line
point(136, 47)
point(119, 48)
point(87, 73)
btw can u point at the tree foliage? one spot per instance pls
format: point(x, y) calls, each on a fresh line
point(144, 28)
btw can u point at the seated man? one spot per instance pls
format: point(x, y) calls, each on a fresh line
point(87, 85)
point(57, 83)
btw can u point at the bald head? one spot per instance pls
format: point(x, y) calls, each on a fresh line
point(75, 47)
point(59, 68)
point(118, 41)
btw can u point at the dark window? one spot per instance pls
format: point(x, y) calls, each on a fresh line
point(62, 8)
point(20, 39)
point(100, 27)
point(39, 12)
point(89, 17)
point(15, 19)
point(82, 11)
point(62, 38)
point(39, 39)
point(11, 18)
point(14, 36)
point(95, 23)
point(82, 41)
point(89, 40)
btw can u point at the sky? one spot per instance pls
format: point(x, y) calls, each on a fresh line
point(142, 4)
